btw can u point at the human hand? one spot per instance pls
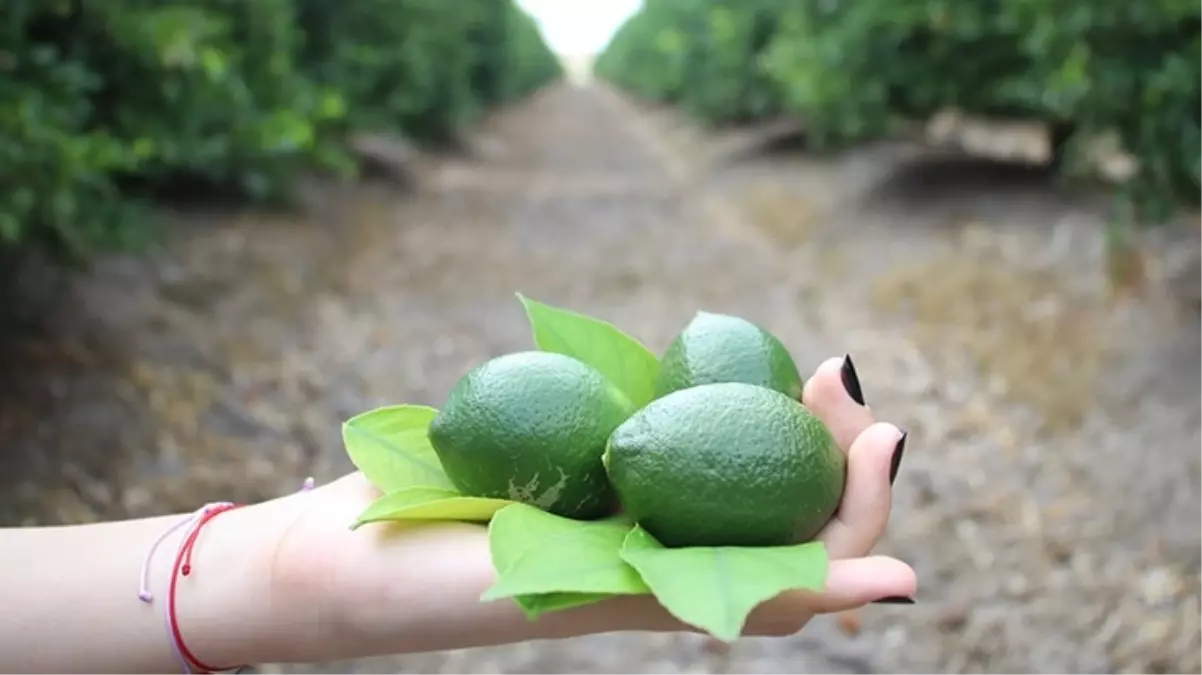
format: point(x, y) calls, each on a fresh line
point(407, 588)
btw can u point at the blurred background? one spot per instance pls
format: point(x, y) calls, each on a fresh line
point(227, 226)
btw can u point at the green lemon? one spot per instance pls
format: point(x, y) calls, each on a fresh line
point(721, 348)
point(728, 464)
point(531, 427)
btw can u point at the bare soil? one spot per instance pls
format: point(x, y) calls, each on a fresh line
point(1049, 497)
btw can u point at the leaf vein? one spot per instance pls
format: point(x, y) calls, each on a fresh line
point(397, 453)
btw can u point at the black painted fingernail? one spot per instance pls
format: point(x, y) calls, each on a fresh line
point(851, 381)
point(894, 600)
point(898, 451)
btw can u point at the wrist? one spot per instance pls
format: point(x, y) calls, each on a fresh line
point(225, 609)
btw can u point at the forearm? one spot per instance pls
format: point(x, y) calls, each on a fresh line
point(69, 595)
point(285, 580)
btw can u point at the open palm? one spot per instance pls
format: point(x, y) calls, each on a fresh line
point(385, 590)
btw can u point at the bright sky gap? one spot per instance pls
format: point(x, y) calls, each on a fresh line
point(579, 27)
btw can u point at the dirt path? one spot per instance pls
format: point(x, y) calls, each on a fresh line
point(1049, 496)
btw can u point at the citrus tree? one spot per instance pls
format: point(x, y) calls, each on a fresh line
point(104, 104)
point(1084, 68)
point(702, 55)
point(852, 71)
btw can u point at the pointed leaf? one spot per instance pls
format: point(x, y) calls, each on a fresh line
point(715, 588)
point(535, 606)
point(507, 539)
point(618, 356)
point(536, 553)
point(508, 546)
point(421, 503)
point(390, 447)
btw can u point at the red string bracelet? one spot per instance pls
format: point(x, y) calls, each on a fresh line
point(182, 566)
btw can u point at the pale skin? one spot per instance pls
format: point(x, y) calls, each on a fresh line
point(286, 580)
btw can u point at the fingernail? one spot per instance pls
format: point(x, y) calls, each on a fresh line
point(898, 451)
point(851, 381)
point(894, 600)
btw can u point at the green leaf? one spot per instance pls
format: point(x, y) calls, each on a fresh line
point(715, 588)
point(507, 544)
point(535, 606)
point(425, 503)
point(547, 562)
point(390, 447)
point(618, 356)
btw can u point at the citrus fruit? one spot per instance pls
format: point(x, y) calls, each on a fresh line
point(721, 348)
point(531, 427)
point(727, 464)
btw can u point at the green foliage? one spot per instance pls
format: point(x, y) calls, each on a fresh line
point(105, 104)
point(1087, 68)
point(702, 55)
point(853, 70)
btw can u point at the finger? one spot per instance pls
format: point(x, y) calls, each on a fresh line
point(867, 496)
point(849, 584)
point(827, 396)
